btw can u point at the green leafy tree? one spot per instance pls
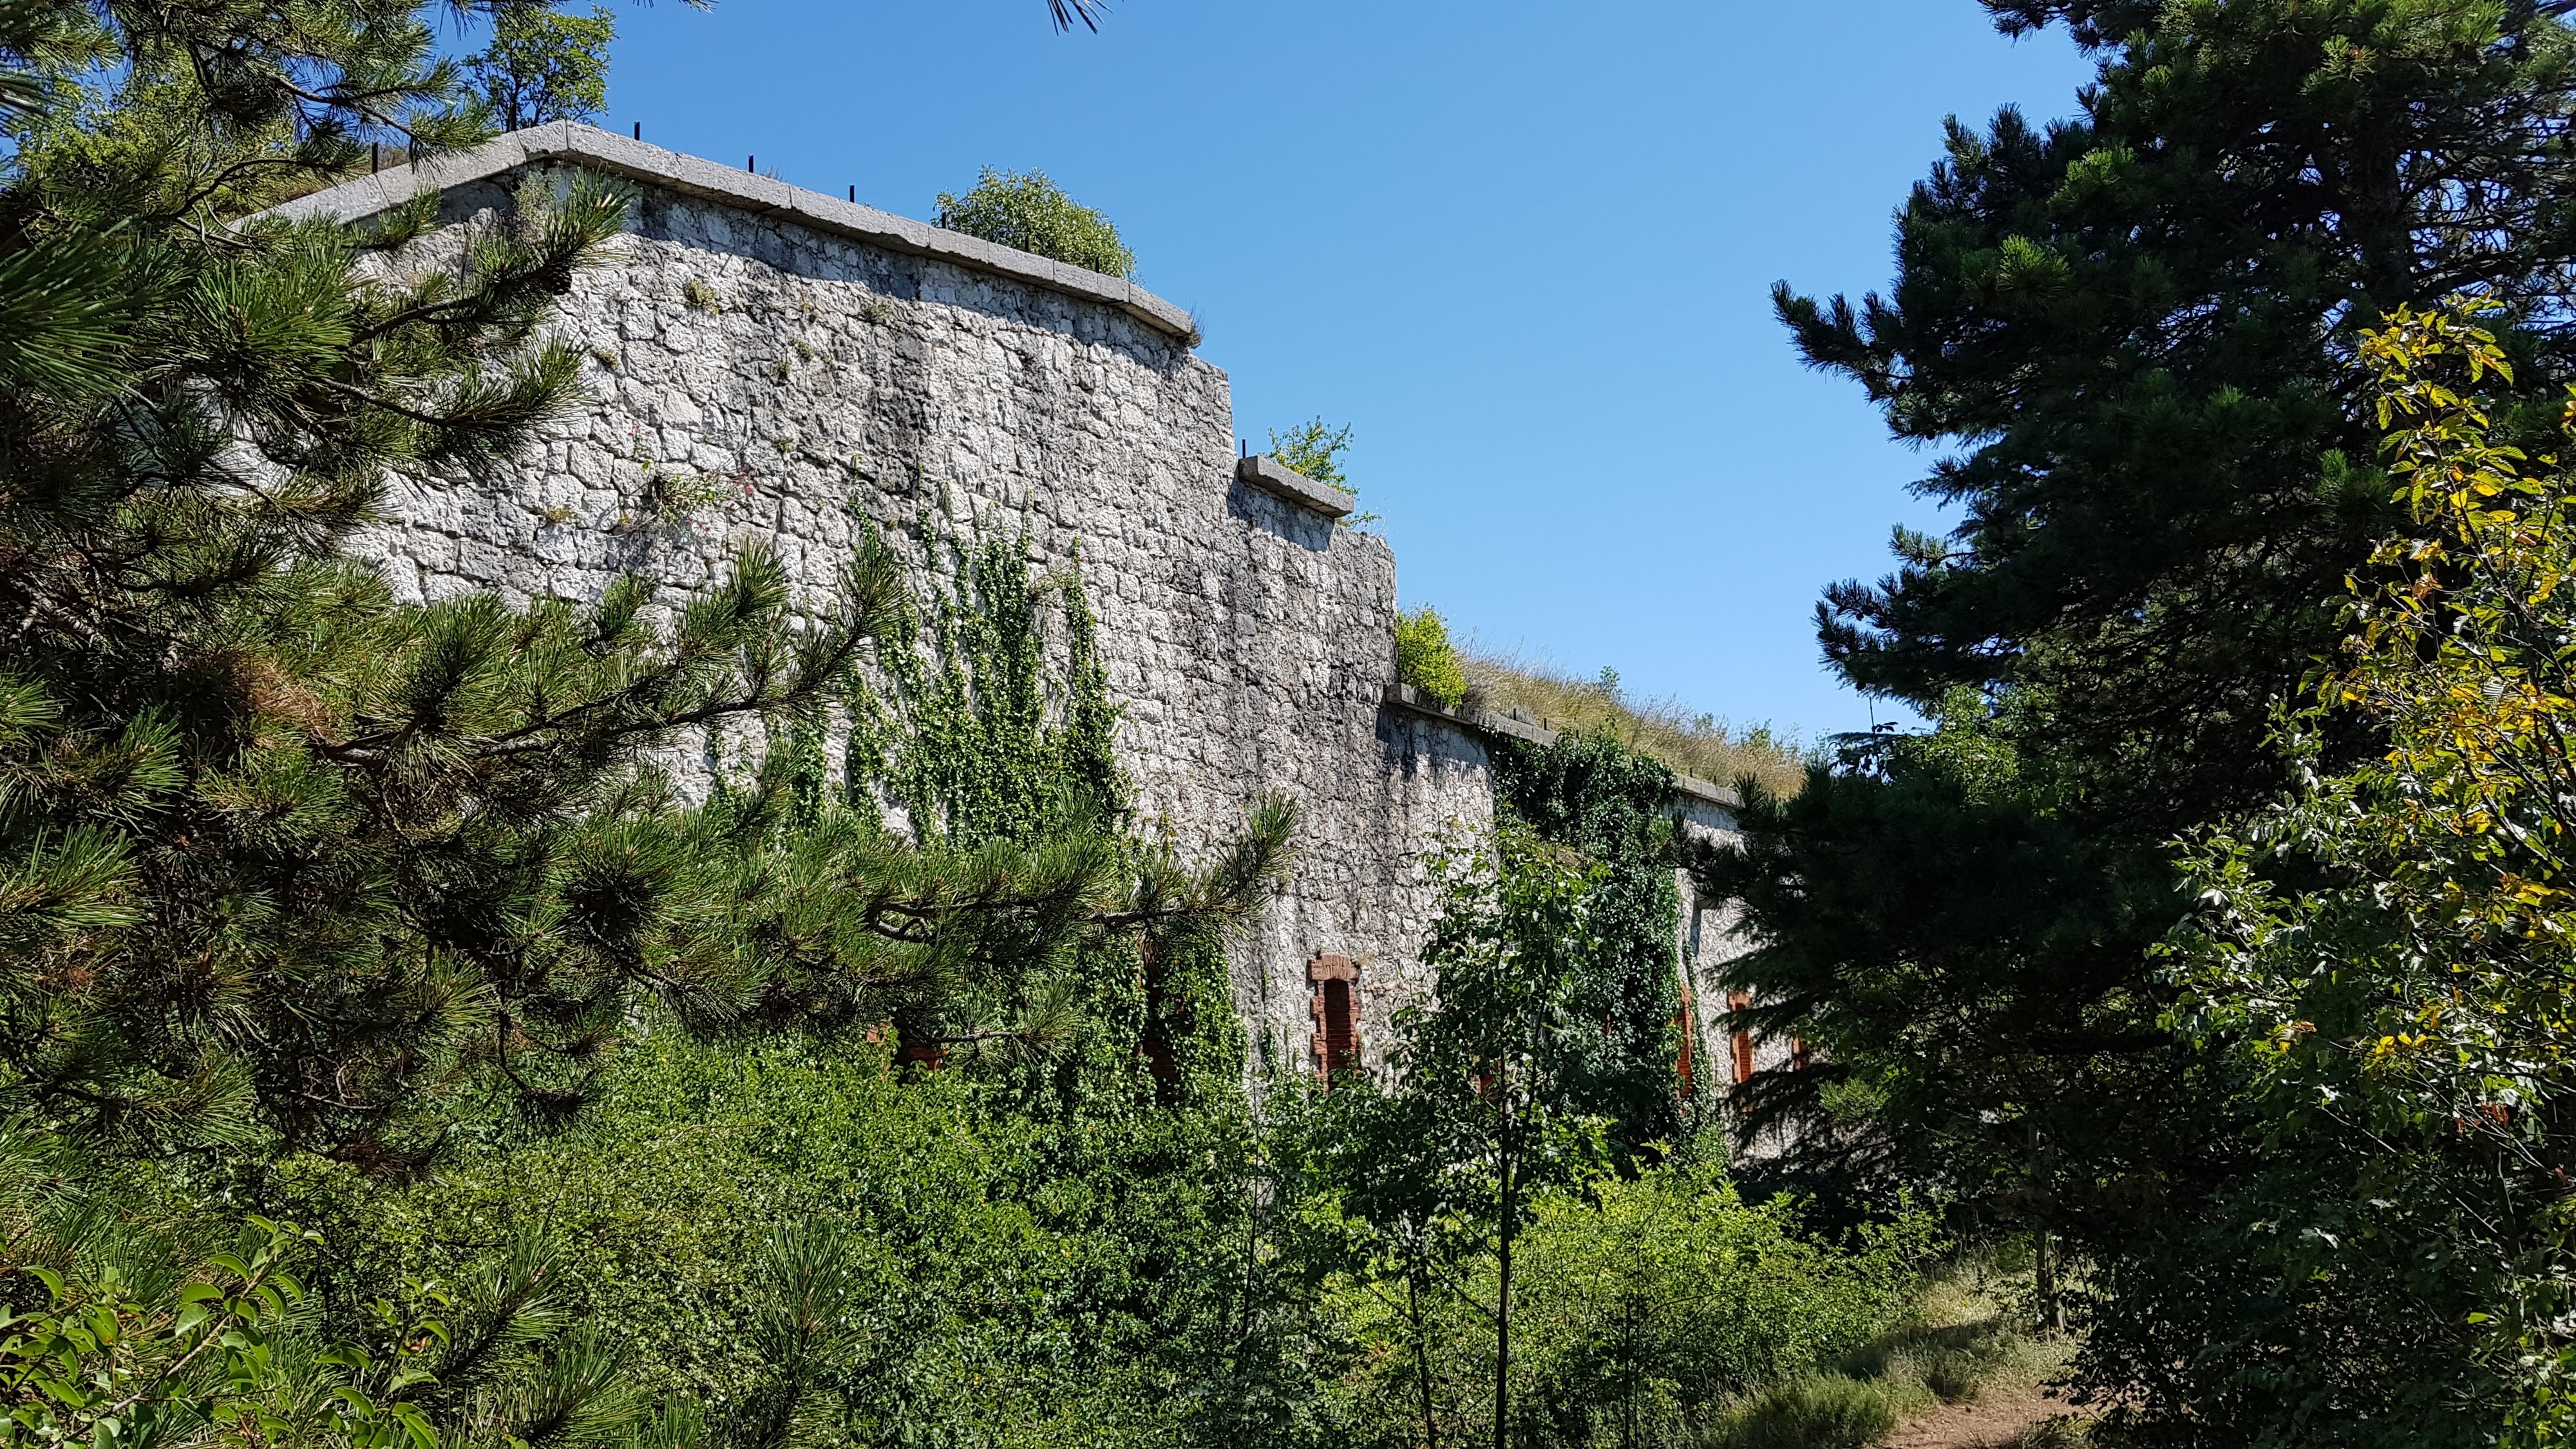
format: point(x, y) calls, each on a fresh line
point(544, 65)
point(2137, 322)
point(2133, 329)
point(1026, 210)
point(1314, 449)
point(1959, 943)
point(2386, 949)
point(1380, 1189)
point(1488, 1117)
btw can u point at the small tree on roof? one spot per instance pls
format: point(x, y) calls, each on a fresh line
point(1026, 210)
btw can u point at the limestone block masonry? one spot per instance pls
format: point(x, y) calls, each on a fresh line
point(808, 364)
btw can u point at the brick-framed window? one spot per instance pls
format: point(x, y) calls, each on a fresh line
point(1336, 980)
point(1741, 1043)
point(1686, 1028)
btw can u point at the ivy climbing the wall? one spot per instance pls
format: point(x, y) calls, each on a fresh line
point(980, 740)
point(1592, 795)
point(977, 738)
point(1035, 1207)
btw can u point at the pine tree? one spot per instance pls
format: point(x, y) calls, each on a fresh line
point(2137, 324)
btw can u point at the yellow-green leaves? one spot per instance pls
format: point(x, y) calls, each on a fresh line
point(2395, 944)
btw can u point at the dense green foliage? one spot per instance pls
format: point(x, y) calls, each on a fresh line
point(2138, 329)
point(2386, 948)
point(1965, 949)
point(1612, 806)
point(1510, 1264)
point(1024, 209)
point(1425, 659)
point(544, 65)
point(1644, 1309)
point(1033, 1252)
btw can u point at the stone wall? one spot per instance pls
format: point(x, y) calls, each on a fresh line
point(809, 366)
point(805, 375)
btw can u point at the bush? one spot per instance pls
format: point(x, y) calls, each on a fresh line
point(1024, 209)
point(1669, 1294)
point(1643, 1307)
point(543, 65)
point(1091, 1268)
point(1829, 1412)
point(1314, 449)
point(1425, 659)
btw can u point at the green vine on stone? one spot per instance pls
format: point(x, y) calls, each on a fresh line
point(989, 750)
point(1593, 795)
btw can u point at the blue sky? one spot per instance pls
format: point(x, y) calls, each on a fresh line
point(1524, 250)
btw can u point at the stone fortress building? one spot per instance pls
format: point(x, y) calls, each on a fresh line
point(831, 363)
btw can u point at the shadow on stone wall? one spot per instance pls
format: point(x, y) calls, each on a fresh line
point(1303, 527)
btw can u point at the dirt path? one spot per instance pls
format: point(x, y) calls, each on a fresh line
point(1996, 1419)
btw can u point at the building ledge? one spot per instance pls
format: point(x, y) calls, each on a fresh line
point(565, 141)
point(1281, 481)
point(1486, 722)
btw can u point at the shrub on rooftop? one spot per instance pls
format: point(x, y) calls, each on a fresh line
point(1026, 210)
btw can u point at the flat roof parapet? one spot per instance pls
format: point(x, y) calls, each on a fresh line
point(1279, 480)
point(607, 151)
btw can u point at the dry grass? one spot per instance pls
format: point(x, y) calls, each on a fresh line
point(1693, 744)
point(1960, 1373)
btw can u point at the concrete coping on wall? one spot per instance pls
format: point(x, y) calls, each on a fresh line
point(1487, 722)
point(1279, 480)
point(588, 146)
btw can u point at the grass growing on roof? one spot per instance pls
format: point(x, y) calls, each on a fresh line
point(1690, 742)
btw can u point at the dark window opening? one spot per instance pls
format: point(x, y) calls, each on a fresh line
point(1337, 1013)
point(1742, 1041)
point(1339, 1037)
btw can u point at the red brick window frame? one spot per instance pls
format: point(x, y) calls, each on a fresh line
point(1741, 1043)
point(1336, 980)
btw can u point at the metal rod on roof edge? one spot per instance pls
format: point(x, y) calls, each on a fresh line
point(750, 163)
point(639, 130)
